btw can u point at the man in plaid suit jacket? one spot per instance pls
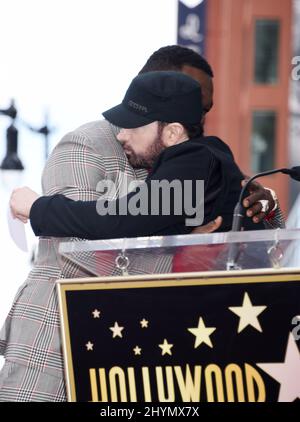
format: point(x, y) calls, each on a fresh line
point(30, 338)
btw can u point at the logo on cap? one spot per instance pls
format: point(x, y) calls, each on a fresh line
point(137, 106)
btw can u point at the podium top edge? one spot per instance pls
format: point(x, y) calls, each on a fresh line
point(155, 242)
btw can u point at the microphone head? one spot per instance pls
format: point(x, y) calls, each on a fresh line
point(294, 172)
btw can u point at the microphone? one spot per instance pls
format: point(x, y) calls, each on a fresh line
point(294, 173)
point(239, 210)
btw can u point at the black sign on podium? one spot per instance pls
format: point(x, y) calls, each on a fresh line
point(211, 337)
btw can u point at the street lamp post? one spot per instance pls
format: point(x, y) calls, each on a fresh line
point(11, 160)
point(45, 131)
point(11, 166)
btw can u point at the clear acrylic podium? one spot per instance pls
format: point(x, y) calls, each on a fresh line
point(264, 249)
point(159, 319)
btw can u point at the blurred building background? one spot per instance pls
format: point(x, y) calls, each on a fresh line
point(250, 45)
point(64, 62)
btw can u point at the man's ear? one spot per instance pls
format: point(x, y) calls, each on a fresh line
point(173, 133)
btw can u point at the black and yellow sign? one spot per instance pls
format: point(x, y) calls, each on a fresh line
point(219, 338)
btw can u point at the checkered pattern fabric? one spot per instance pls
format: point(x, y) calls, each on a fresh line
point(24, 383)
point(30, 337)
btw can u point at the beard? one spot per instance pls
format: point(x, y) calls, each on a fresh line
point(146, 160)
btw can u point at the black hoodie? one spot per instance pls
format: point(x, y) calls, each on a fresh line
point(207, 158)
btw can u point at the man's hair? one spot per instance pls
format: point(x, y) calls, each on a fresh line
point(193, 131)
point(174, 57)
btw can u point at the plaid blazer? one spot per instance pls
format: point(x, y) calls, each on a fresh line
point(30, 335)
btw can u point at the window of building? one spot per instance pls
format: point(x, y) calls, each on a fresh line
point(263, 140)
point(266, 51)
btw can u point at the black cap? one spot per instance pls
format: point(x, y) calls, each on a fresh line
point(164, 96)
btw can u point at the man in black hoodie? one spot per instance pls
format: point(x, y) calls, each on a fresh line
point(162, 120)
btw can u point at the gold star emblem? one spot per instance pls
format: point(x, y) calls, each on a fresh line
point(96, 313)
point(166, 347)
point(144, 323)
point(116, 329)
point(89, 346)
point(202, 334)
point(137, 350)
point(248, 314)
